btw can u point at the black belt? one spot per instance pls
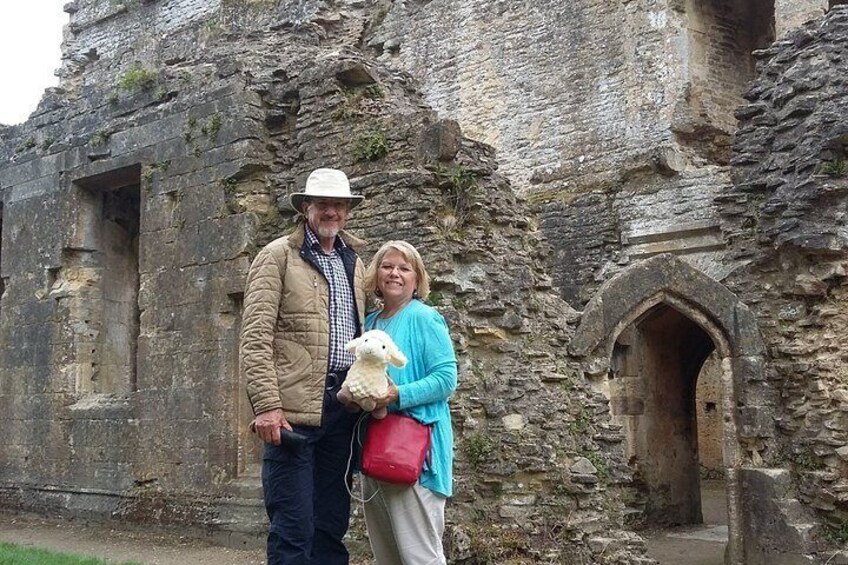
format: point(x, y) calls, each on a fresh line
point(335, 379)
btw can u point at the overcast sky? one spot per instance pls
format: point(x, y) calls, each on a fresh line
point(30, 35)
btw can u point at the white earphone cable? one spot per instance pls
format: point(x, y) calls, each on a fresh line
point(355, 437)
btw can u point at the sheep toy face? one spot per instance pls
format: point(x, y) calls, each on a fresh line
point(367, 379)
point(376, 344)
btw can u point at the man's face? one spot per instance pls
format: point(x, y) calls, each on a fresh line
point(327, 216)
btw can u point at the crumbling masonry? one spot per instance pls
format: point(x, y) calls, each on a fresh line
point(633, 212)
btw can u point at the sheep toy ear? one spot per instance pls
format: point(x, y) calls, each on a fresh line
point(396, 356)
point(353, 344)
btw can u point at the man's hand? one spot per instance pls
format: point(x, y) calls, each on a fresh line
point(267, 426)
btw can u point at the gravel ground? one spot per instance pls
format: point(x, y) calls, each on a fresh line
point(96, 540)
point(699, 545)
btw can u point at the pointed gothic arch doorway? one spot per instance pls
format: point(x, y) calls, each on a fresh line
point(655, 325)
point(653, 389)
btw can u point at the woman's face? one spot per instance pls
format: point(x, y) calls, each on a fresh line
point(396, 278)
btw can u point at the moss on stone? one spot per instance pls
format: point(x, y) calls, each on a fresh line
point(370, 146)
point(136, 78)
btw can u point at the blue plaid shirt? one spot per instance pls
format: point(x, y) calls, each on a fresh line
point(342, 304)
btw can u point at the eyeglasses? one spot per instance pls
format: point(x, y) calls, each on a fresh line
point(402, 268)
point(324, 204)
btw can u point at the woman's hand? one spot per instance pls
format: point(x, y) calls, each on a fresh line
point(391, 396)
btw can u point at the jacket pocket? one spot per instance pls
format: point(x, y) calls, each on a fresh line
point(294, 369)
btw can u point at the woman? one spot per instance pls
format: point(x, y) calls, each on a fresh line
point(406, 523)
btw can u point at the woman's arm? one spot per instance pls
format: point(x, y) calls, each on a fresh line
point(436, 350)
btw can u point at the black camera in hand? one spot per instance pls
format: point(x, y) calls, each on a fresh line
point(291, 439)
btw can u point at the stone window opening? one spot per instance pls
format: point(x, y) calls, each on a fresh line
point(721, 37)
point(100, 276)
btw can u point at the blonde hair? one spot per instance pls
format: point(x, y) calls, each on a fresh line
point(411, 255)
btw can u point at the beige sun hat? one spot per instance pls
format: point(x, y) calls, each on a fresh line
point(325, 183)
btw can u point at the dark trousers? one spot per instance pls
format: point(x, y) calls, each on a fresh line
point(305, 494)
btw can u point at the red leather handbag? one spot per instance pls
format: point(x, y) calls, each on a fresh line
point(395, 449)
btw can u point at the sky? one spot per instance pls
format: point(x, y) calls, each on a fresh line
point(30, 36)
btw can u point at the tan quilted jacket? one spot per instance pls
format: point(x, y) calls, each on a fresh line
point(285, 337)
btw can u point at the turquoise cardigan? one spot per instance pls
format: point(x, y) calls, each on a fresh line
point(426, 383)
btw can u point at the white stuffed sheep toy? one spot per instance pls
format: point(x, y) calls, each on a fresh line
point(367, 378)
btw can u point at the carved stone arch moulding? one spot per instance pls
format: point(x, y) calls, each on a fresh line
point(664, 278)
point(732, 327)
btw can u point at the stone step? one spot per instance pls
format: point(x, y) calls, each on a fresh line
point(241, 522)
point(245, 488)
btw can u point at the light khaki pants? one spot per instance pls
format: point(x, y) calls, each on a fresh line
point(405, 524)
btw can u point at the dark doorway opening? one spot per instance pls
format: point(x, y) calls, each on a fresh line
point(658, 359)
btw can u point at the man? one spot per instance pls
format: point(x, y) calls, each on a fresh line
point(303, 302)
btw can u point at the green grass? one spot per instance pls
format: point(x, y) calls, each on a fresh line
point(11, 554)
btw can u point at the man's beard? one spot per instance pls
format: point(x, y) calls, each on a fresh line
point(327, 233)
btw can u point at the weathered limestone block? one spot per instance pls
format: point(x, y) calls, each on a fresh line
point(778, 523)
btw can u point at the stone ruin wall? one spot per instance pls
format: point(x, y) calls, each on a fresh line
point(648, 188)
point(643, 84)
point(785, 224)
point(286, 101)
point(202, 152)
point(157, 427)
point(111, 31)
point(709, 409)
